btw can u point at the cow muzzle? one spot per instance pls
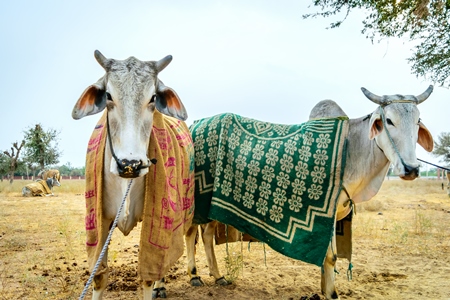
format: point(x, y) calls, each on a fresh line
point(127, 168)
point(132, 168)
point(410, 173)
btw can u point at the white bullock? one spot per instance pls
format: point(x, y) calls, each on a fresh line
point(44, 174)
point(130, 91)
point(386, 136)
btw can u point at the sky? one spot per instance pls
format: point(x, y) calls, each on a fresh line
point(259, 59)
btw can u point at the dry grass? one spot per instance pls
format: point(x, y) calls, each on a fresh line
point(234, 261)
point(406, 215)
point(403, 232)
point(40, 245)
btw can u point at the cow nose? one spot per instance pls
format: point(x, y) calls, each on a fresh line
point(411, 172)
point(129, 168)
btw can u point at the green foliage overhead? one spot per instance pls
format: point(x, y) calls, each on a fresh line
point(41, 147)
point(426, 22)
point(442, 147)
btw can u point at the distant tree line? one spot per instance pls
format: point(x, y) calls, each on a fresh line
point(431, 172)
point(37, 151)
point(66, 170)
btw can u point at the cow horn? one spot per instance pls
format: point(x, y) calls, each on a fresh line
point(372, 97)
point(102, 60)
point(161, 64)
point(424, 96)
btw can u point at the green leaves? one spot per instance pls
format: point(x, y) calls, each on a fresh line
point(424, 21)
point(442, 147)
point(41, 146)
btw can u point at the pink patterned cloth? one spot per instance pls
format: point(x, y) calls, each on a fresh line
point(169, 196)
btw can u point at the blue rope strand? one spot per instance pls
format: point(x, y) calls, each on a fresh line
point(105, 246)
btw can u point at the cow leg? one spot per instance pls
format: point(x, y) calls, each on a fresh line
point(328, 274)
point(100, 283)
point(147, 287)
point(190, 237)
point(101, 280)
point(208, 231)
point(159, 289)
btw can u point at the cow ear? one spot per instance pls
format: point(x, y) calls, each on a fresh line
point(168, 103)
point(92, 101)
point(424, 138)
point(375, 126)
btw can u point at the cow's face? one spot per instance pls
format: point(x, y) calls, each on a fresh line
point(396, 134)
point(55, 181)
point(131, 91)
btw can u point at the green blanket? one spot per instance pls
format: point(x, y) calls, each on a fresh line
point(278, 183)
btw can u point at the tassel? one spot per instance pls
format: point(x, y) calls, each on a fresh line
point(350, 272)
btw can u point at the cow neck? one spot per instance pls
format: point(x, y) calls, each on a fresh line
point(362, 167)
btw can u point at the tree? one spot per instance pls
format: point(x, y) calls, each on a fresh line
point(426, 22)
point(65, 169)
point(41, 146)
point(13, 158)
point(4, 165)
point(442, 147)
point(78, 171)
point(31, 167)
point(68, 170)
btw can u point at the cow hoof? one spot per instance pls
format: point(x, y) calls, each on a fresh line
point(334, 296)
point(196, 281)
point(310, 297)
point(159, 293)
point(222, 281)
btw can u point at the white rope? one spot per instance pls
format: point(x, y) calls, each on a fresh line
point(105, 247)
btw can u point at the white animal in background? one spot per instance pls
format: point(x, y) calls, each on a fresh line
point(386, 136)
point(40, 187)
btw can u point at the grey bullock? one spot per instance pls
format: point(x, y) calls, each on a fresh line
point(386, 136)
point(41, 187)
point(131, 92)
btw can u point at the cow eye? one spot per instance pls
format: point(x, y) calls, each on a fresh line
point(108, 96)
point(152, 100)
point(389, 121)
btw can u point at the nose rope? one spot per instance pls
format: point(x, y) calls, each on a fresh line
point(110, 142)
point(383, 119)
point(119, 163)
point(105, 246)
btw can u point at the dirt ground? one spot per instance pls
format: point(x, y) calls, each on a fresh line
point(401, 250)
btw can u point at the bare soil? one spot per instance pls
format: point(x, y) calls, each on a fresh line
point(401, 250)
